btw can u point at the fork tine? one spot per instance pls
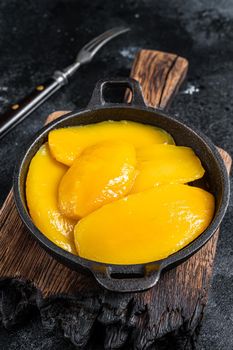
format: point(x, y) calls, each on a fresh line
point(109, 33)
point(101, 43)
point(97, 40)
point(91, 48)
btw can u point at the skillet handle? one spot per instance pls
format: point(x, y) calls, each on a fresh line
point(116, 279)
point(133, 85)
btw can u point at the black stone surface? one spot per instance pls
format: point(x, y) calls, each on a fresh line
point(38, 37)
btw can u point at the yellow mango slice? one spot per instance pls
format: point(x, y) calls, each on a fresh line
point(145, 226)
point(67, 143)
point(166, 164)
point(42, 182)
point(103, 173)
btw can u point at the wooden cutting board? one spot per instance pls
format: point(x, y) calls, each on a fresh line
point(169, 313)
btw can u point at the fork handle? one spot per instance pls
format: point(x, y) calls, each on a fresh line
point(20, 110)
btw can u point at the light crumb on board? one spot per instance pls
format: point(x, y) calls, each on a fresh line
point(190, 89)
point(129, 52)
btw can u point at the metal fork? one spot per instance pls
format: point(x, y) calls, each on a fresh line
point(19, 111)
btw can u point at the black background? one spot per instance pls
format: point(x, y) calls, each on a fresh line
point(37, 37)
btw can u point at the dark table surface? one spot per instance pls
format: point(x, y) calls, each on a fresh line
point(38, 37)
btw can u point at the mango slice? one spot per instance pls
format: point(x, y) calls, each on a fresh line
point(166, 164)
point(42, 182)
point(67, 143)
point(146, 226)
point(103, 173)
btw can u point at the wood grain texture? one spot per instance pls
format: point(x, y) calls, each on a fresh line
point(162, 77)
point(166, 315)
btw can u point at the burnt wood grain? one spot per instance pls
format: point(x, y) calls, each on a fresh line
point(165, 317)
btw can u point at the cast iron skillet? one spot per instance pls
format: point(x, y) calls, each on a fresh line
point(128, 278)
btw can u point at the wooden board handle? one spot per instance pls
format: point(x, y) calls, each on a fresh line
point(160, 75)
